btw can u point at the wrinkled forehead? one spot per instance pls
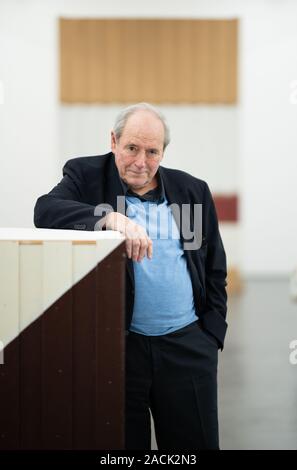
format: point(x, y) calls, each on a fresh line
point(144, 127)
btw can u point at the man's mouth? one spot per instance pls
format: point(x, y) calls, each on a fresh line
point(138, 174)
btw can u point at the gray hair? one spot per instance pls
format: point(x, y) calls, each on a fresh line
point(124, 115)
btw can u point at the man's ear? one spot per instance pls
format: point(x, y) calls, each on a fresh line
point(113, 141)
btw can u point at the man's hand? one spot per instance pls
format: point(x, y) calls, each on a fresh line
point(138, 244)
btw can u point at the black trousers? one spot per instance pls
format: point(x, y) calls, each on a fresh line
point(175, 376)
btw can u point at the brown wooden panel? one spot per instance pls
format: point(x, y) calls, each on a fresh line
point(9, 398)
point(130, 54)
point(231, 51)
point(94, 69)
point(84, 362)
point(185, 86)
point(30, 387)
point(111, 68)
point(218, 77)
point(201, 65)
point(161, 61)
point(110, 352)
point(57, 374)
point(164, 63)
point(148, 50)
point(226, 207)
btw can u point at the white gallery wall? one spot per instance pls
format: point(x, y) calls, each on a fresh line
point(203, 139)
point(251, 148)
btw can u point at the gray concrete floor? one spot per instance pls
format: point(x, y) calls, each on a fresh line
point(257, 383)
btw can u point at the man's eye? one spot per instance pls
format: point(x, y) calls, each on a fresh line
point(153, 152)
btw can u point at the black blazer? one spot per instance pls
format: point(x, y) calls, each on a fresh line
point(89, 181)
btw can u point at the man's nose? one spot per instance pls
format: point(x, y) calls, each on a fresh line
point(141, 158)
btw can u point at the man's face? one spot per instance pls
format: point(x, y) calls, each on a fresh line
point(139, 151)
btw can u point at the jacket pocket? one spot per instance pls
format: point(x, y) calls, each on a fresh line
point(209, 337)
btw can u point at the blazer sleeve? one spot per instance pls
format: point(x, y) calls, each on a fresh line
point(215, 309)
point(64, 207)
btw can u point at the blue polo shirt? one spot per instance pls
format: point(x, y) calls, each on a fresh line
point(164, 299)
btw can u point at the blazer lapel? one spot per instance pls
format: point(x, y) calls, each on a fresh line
point(177, 196)
point(112, 184)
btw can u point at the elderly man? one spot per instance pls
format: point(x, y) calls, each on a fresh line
point(175, 289)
